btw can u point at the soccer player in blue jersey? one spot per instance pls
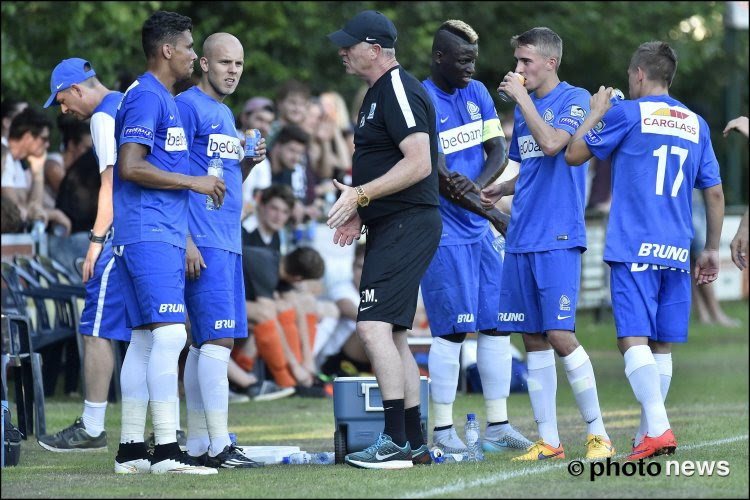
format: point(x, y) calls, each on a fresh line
point(546, 235)
point(215, 291)
point(151, 187)
point(79, 92)
point(461, 287)
point(660, 151)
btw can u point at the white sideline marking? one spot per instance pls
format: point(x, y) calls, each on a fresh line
point(461, 485)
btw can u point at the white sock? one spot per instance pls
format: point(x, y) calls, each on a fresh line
point(197, 432)
point(494, 362)
point(93, 417)
point(444, 365)
point(134, 388)
point(664, 365)
point(212, 375)
point(581, 378)
point(640, 368)
point(177, 408)
point(168, 342)
point(542, 383)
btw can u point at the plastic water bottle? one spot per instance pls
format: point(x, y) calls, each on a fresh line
point(471, 431)
point(499, 243)
point(38, 229)
point(215, 168)
point(303, 457)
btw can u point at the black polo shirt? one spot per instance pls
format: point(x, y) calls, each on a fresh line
point(394, 108)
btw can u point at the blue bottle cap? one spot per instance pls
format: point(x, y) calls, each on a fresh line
point(471, 416)
point(285, 460)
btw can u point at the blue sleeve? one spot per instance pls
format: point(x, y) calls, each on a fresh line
point(141, 117)
point(708, 168)
point(486, 103)
point(189, 120)
point(573, 112)
point(608, 133)
point(513, 152)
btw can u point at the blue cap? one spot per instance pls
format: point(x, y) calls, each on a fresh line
point(65, 74)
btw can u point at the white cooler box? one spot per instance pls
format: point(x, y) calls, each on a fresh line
point(358, 413)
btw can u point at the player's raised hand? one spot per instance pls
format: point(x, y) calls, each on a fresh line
point(706, 267)
point(600, 102)
point(212, 186)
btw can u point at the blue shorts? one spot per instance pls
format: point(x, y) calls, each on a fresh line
point(216, 300)
point(650, 301)
point(152, 277)
point(461, 286)
point(104, 309)
point(539, 291)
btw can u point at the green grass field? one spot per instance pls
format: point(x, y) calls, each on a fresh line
point(707, 406)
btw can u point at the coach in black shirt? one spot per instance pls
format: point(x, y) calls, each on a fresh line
point(396, 198)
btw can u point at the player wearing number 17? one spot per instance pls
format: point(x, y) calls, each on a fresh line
point(660, 151)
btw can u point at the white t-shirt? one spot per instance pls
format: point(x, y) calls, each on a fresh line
point(258, 178)
point(14, 176)
point(103, 138)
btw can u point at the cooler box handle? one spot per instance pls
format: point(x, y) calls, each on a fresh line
point(366, 391)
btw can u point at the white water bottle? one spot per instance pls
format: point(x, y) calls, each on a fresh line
point(303, 457)
point(471, 431)
point(215, 168)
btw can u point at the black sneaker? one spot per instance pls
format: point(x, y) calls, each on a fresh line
point(232, 457)
point(176, 461)
point(74, 438)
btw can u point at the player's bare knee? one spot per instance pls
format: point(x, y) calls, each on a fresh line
point(563, 341)
point(535, 342)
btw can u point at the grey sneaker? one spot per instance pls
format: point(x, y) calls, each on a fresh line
point(384, 454)
point(505, 438)
point(236, 397)
point(268, 390)
point(448, 441)
point(74, 438)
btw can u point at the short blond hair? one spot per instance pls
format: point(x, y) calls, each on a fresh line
point(460, 28)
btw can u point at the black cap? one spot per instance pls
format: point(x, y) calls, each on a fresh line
point(368, 26)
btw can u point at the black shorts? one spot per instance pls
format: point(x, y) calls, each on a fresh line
point(398, 250)
point(260, 268)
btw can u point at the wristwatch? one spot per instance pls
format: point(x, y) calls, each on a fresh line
point(96, 239)
point(362, 199)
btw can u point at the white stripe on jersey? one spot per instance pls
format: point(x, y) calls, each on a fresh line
point(398, 88)
point(102, 296)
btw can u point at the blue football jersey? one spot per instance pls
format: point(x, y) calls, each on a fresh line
point(660, 151)
point(209, 128)
point(464, 120)
point(548, 206)
point(148, 115)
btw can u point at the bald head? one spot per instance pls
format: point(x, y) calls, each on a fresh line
point(219, 41)
point(222, 63)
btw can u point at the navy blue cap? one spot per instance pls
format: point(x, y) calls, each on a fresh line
point(368, 26)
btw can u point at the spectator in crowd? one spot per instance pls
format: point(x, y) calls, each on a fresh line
point(292, 101)
point(272, 321)
point(342, 354)
point(81, 96)
point(76, 140)
point(10, 108)
point(739, 243)
point(28, 139)
point(258, 113)
point(396, 195)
